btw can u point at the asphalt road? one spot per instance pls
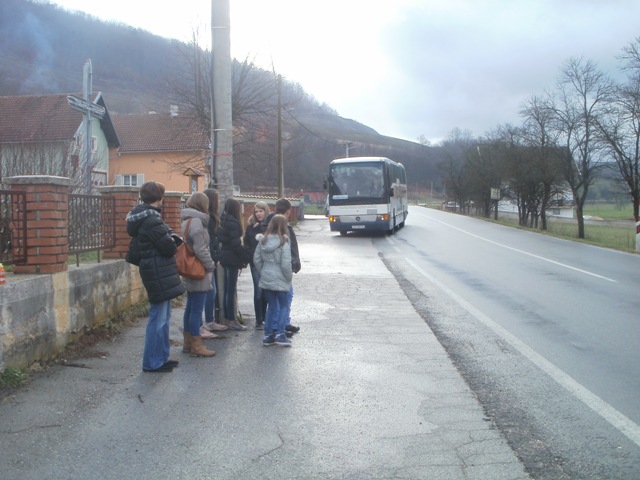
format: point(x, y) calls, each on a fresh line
point(365, 392)
point(549, 341)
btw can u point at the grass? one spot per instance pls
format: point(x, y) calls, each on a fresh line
point(617, 237)
point(13, 378)
point(609, 211)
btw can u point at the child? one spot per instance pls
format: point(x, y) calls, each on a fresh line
point(272, 259)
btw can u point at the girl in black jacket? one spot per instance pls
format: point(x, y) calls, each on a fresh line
point(155, 246)
point(254, 228)
point(233, 257)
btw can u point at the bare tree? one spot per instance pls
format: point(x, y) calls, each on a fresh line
point(620, 128)
point(539, 136)
point(582, 95)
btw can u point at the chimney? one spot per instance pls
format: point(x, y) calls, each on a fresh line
point(173, 109)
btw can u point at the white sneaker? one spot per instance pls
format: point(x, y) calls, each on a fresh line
point(204, 333)
point(215, 327)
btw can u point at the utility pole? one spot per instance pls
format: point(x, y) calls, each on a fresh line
point(280, 154)
point(221, 125)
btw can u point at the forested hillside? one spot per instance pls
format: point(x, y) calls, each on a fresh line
point(43, 49)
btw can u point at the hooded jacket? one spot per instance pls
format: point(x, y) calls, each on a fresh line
point(295, 254)
point(232, 253)
point(156, 250)
point(198, 239)
point(273, 262)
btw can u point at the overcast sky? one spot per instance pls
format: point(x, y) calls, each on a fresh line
point(406, 68)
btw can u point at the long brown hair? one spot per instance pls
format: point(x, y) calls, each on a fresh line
point(233, 208)
point(277, 226)
point(214, 200)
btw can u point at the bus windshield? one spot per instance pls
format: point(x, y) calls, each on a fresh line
point(357, 181)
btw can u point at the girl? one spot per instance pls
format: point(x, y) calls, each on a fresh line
point(256, 226)
point(211, 310)
point(156, 247)
point(195, 218)
point(233, 257)
point(273, 262)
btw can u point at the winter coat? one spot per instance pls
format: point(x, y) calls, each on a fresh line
point(198, 239)
point(214, 240)
point(250, 241)
point(273, 262)
point(232, 253)
point(295, 254)
point(156, 249)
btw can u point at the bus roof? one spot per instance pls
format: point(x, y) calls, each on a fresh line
point(361, 160)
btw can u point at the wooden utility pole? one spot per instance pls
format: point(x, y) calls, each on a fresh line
point(221, 126)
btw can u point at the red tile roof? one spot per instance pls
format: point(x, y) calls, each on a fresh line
point(36, 118)
point(159, 133)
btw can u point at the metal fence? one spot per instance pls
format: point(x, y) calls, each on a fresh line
point(92, 223)
point(13, 227)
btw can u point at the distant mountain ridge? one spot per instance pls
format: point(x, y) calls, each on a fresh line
point(43, 49)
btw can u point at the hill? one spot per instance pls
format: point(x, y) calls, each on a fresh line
point(43, 49)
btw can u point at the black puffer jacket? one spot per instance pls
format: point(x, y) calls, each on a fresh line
point(232, 253)
point(158, 269)
point(249, 241)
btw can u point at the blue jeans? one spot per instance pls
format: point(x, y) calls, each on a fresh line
point(276, 312)
point(259, 302)
point(230, 286)
point(210, 301)
point(192, 319)
point(289, 300)
point(156, 339)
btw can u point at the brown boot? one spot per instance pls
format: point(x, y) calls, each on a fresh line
point(198, 349)
point(186, 343)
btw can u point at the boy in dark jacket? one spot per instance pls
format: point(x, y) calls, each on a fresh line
point(155, 247)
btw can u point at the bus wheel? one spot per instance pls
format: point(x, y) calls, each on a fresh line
point(343, 233)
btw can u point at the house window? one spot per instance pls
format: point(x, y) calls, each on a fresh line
point(131, 180)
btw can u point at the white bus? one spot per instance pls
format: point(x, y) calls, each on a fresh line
point(367, 194)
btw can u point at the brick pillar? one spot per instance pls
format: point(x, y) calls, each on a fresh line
point(47, 215)
point(172, 209)
point(125, 199)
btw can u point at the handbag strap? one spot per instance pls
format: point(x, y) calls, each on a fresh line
point(186, 234)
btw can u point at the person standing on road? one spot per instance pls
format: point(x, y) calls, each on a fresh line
point(155, 246)
point(233, 258)
point(254, 228)
point(283, 207)
point(195, 218)
point(272, 259)
point(211, 310)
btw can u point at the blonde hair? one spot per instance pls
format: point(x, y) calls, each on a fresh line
point(261, 206)
point(277, 226)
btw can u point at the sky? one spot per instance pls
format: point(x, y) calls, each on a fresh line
point(406, 68)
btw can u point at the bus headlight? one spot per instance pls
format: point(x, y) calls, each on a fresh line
point(334, 219)
point(383, 218)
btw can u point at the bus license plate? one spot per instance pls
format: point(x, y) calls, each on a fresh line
point(356, 227)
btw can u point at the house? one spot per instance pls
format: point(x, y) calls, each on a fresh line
point(168, 148)
point(44, 135)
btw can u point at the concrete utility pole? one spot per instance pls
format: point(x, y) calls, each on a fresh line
point(89, 109)
point(221, 126)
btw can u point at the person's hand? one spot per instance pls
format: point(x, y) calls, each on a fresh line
point(177, 238)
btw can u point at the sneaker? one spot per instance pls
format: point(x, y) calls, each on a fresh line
point(269, 340)
point(288, 334)
point(259, 326)
point(282, 340)
point(292, 328)
point(215, 327)
point(206, 334)
point(233, 325)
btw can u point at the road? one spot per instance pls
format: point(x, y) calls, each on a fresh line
point(568, 312)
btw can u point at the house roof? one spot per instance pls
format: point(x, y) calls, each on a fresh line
point(160, 133)
point(38, 118)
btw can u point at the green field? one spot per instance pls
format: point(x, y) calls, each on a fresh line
point(609, 211)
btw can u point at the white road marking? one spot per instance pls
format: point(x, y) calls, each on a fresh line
point(563, 265)
point(619, 421)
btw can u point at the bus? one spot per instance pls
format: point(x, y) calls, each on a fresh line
point(366, 194)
